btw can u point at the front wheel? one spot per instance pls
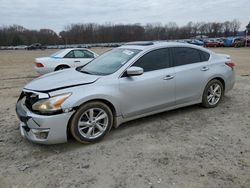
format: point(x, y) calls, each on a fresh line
point(212, 94)
point(91, 122)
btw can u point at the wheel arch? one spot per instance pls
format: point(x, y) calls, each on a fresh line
point(217, 77)
point(220, 78)
point(105, 101)
point(61, 65)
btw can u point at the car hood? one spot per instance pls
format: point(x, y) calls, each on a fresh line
point(60, 80)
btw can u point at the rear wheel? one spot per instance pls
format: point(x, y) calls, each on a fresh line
point(212, 94)
point(61, 67)
point(91, 122)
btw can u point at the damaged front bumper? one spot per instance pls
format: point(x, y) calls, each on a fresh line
point(43, 129)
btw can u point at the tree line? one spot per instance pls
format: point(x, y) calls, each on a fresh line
point(104, 33)
point(18, 35)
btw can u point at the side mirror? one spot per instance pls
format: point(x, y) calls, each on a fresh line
point(134, 71)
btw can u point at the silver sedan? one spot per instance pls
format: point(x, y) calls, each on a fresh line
point(129, 82)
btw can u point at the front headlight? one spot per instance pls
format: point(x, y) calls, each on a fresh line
point(51, 104)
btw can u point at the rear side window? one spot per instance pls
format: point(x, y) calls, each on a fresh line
point(88, 54)
point(154, 60)
point(70, 55)
point(83, 54)
point(204, 56)
point(185, 56)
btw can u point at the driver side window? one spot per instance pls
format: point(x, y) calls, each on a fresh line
point(154, 60)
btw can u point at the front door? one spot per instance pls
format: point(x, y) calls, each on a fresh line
point(153, 90)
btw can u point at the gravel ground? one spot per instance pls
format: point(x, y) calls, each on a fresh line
point(188, 147)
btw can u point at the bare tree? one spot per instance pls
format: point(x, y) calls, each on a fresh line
point(235, 26)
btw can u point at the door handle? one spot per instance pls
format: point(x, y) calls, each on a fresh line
point(204, 68)
point(77, 61)
point(168, 77)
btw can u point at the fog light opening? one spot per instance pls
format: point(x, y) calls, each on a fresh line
point(40, 133)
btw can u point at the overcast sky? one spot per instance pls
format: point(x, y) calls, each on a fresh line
point(56, 14)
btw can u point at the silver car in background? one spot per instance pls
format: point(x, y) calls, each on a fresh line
point(129, 82)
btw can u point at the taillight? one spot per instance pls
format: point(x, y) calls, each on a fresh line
point(39, 65)
point(230, 64)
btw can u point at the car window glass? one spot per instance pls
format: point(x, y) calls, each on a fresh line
point(70, 55)
point(204, 56)
point(88, 54)
point(185, 56)
point(79, 54)
point(83, 54)
point(109, 62)
point(154, 60)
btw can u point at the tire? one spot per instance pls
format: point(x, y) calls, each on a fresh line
point(61, 67)
point(85, 128)
point(211, 96)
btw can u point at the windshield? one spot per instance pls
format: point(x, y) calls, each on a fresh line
point(109, 62)
point(56, 54)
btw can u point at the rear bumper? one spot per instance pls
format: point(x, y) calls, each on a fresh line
point(43, 70)
point(230, 81)
point(42, 129)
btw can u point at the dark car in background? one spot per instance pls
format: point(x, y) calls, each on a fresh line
point(36, 46)
point(248, 41)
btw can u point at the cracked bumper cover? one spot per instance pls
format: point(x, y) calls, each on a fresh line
point(55, 126)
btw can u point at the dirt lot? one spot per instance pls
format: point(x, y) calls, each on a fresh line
point(188, 147)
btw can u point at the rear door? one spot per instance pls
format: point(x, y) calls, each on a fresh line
point(191, 73)
point(153, 90)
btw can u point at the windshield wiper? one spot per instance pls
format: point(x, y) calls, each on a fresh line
point(80, 69)
point(86, 72)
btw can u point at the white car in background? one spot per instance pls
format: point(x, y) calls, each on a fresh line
point(63, 59)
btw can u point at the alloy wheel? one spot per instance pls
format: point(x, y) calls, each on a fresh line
point(93, 123)
point(214, 94)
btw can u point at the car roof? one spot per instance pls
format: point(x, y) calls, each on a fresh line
point(69, 49)
point(152, 45)
point(63, 52)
